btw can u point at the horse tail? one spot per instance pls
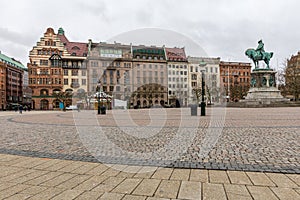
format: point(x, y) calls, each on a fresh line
point(271, 54)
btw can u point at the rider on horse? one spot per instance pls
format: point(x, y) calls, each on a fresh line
point(260, 49)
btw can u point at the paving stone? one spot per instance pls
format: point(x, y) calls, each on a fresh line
point(47, 164)
point(99, 169)
point(155, 198)
point(43, 178)
point(4, 186)
point(260, 179)
point(72, 166)
point(281, 180)
point(16, 175)
point(47, 194)
point(108, 185)
point(68, 194)
point(111, 172)
point(89, 195)
point(145, 172)
point(33, 190)
point(7, 170)
point(213, 191)
point(239, 177)
point(295, 178)
point(111, 196)
point(190, 190)
point(90, 183)
point(285, 193)
point(19, 196)
point(218, 176)
point(180, 174)
point(30, 163)
point(85, 168)
point(73, 182)
point(58, 180)
point(12, 190)
point(162, 173)
point(133, 197)
point(27, 177)
point(199, 175)
point(234, 192)
point(168, 189)
point(127, 186)
point(147, 187)
point(58, 166)
point(258, 192)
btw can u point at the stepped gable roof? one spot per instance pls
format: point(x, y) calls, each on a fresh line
point(74, 48)
point(176, 54)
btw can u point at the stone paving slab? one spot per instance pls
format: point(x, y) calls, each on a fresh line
point(79, 185)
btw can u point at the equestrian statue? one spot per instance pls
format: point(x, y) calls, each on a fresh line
point(259, 54)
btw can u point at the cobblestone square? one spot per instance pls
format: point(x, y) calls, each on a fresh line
point(248, 139)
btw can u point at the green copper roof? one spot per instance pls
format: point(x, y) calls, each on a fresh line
point(12, 62)
point(61, 31)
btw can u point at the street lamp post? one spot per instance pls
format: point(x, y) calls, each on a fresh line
point(203, 104)
point(98, 96)
point(203, 94)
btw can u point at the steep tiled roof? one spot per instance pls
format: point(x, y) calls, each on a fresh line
point(176, 54)
point(74, 48)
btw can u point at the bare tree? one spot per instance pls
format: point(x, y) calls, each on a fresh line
point(292, 79)
point(197, 91)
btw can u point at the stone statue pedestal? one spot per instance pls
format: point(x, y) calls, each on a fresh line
point(263, 88)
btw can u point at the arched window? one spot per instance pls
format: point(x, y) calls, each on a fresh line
point(44, 92)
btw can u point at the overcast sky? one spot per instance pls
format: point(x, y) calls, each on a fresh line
point(220, 28)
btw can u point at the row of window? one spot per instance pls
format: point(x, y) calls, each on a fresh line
point(207, 69)
point(150, 80)
point(185, 93)
point(74, 72)
point(177, 79)
point(177, 85)
point(242, 80)
point(178, 73)
point(49, 52)
point(74, 81)
point(236, 73)
point(150, 73)
point(149, 57)
point(178, 66)
point(149, 66)
point(45, 81)
point(44, 71)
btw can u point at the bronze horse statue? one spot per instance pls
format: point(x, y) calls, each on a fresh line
point(256, 56)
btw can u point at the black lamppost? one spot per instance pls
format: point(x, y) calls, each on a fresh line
point(203, 94)
point(203, 104)
point(98, 96)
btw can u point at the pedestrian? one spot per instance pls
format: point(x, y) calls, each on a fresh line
point(20, 109)
point(25, 108)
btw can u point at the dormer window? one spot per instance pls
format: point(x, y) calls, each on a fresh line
point(73, 54)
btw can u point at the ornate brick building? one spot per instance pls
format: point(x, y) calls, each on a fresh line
point(235, 80)
point(55, 66)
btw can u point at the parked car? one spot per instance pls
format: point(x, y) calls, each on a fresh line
point(72, 107)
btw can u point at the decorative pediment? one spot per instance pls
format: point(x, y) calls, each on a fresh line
point(55, 57)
